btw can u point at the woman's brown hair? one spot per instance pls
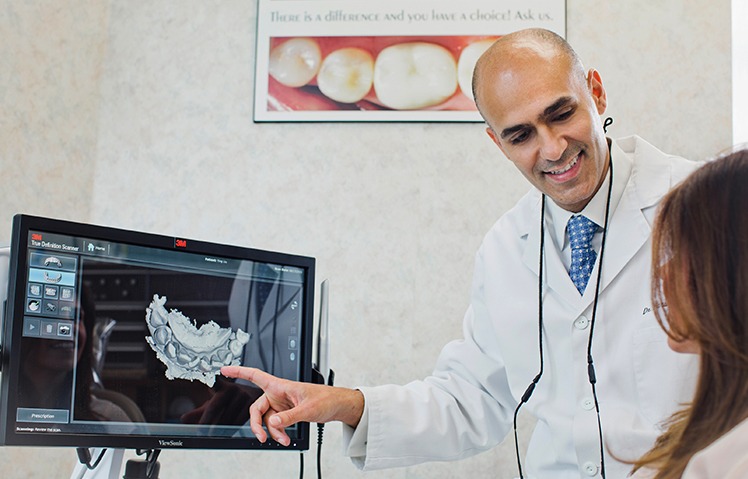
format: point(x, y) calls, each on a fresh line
point(700, 294)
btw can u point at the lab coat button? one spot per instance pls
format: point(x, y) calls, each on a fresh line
point(581, 323)
point(588, 404)
point(589, 468)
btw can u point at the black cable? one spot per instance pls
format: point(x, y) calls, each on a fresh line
point(318, 378)
point(152, 466)
point(321, 428)
point(84, 456)
point(590, 363)
point(301, 464)
point(320, 433)
point(531, 387)
point(608, 121)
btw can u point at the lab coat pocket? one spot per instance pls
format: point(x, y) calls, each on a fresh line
point(657, 374)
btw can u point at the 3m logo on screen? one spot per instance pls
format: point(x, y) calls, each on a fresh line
point(36, 236)
point(180, 243)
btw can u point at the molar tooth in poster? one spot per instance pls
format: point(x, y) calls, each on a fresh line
point(353, 60)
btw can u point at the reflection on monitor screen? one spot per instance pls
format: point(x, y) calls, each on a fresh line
point(116, 338)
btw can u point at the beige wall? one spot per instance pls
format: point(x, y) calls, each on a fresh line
point(51, 55)
point(138, 114)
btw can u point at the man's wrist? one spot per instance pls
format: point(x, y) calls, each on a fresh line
point(352, 407)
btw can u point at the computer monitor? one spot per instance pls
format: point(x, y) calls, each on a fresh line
point(115, 338)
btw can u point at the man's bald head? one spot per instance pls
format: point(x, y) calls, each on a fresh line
point(540, 44)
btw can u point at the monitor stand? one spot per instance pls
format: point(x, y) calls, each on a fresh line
point(110, 466)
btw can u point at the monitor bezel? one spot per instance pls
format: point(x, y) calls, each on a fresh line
point(12, 331)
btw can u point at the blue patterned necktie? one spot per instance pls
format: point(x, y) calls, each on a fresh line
point(581, 230)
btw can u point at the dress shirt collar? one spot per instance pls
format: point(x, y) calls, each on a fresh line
point(595, 210)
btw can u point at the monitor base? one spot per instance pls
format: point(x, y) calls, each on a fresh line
point(110, 466)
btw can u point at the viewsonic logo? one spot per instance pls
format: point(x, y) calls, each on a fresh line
point(170, 443)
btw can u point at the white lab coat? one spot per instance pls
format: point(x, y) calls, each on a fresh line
point(467, 405)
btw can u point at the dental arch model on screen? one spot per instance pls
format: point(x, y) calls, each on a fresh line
point(191, 352)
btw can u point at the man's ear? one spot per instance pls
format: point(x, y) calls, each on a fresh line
point(595, 86)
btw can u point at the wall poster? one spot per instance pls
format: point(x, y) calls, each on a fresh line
point(384, 60)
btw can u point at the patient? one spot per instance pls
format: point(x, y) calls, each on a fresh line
point(700, 294)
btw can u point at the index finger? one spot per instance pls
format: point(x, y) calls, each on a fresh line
point(256, 376)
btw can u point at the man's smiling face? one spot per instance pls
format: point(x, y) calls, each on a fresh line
point(545, 116)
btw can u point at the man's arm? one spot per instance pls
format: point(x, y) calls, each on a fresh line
point(285, 403)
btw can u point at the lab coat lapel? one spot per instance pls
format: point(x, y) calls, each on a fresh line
point(556, 275)
point(628, 232)
point(531, 232)
point(630, 226)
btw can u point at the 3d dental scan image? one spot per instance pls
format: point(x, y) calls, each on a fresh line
point(191, 352)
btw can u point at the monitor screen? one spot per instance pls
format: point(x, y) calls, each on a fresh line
point(115, 338)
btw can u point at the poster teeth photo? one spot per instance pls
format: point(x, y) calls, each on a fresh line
point(354, 60)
